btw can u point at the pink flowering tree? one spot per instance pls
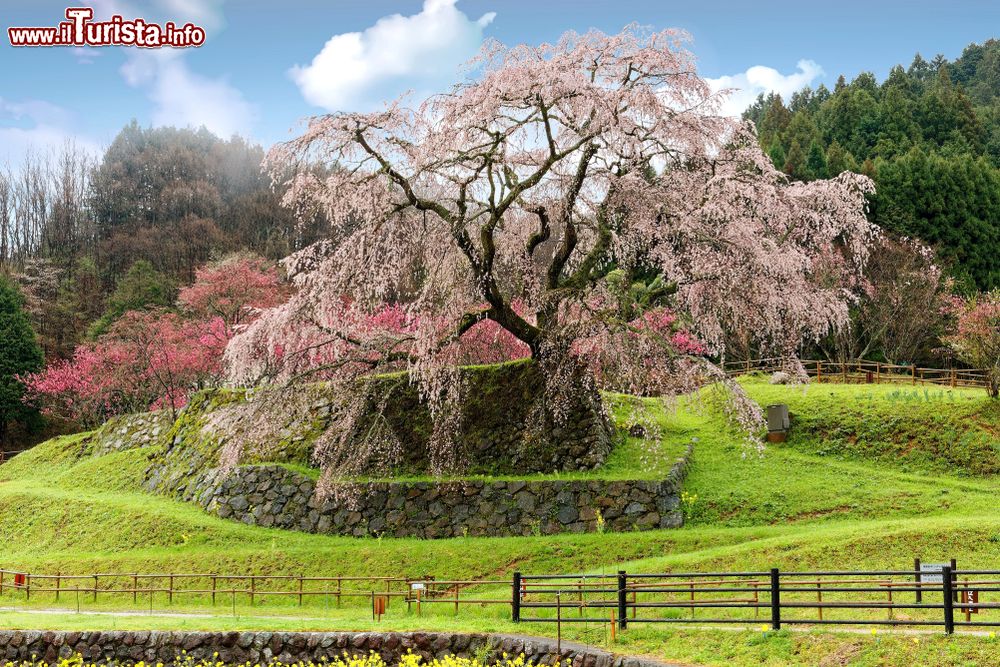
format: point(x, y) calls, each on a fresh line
point(233, 289)
point(156, 359)
point(147, 360)
point(582, 198)
point(976, 339)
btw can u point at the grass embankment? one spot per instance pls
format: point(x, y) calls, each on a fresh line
point(871, 476)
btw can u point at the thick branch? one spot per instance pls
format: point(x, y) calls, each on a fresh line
point(543, 233)
point(403, 182)
point(565, 250)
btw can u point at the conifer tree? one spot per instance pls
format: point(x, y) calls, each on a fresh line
point(19, 356)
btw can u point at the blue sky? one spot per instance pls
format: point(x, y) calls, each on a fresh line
point(266, 64)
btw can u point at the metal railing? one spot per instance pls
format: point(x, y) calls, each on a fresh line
point(947, 598)
point(943, 596)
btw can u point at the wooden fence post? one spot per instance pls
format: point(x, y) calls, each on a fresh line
point(300, 589)
point(819, 599)
point(968, 601)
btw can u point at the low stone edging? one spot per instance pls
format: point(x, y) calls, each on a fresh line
point(129, 647)
point(274, 496)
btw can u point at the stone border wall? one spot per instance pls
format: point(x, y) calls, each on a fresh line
point(274, 496)
point(129, 647)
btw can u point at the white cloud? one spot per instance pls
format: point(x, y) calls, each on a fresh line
point(422, 53)
point(204, 13)
point(181, 96)
point(747, 85)
point(185, 98)
point(85, 55)
point(37, 126)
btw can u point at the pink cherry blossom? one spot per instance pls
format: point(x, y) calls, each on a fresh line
point(530, 209)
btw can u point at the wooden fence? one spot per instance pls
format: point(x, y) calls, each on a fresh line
point(245, 588)
point(866, 372)
point(942, 596)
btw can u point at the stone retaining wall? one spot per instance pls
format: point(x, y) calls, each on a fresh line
point(274, 496)
point(504, 428)
point(126, 648)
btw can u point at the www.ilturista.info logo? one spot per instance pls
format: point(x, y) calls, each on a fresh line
point(81, 30)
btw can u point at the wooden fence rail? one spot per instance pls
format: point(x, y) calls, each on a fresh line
point(866, 372)
point(419, 591)
point(946, 597)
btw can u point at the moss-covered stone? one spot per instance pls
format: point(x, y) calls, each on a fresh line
point(505, 427)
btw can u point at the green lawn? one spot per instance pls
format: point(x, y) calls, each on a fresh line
point(871, 477)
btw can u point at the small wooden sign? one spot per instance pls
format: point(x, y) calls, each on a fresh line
point(378, 606)
point(970, 597)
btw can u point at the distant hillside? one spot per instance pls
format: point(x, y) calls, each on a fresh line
point(929, 135)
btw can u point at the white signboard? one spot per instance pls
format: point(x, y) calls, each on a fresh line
point(417, 586)
point(930, 573)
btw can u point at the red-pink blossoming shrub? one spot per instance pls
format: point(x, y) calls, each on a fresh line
point(147, 360)
point(155, 359)
point(233, 289)
point(976, 339)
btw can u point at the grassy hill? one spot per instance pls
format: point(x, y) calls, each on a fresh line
point(870, 477)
